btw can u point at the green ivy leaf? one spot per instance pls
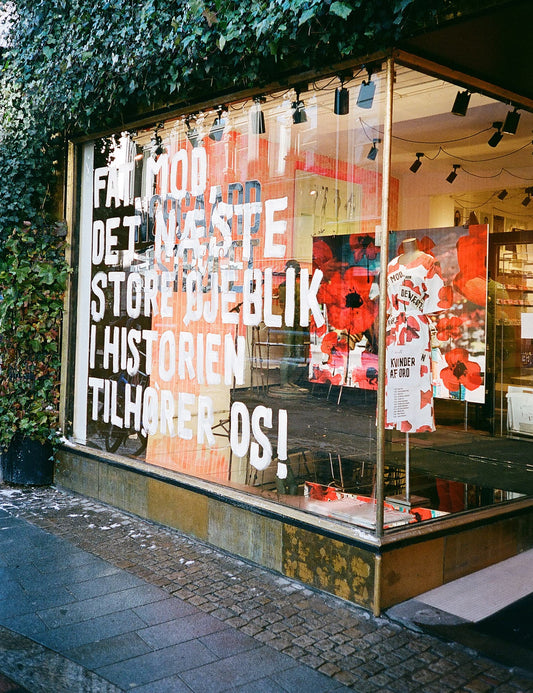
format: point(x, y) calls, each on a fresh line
point(341, 9)
point(307, 15)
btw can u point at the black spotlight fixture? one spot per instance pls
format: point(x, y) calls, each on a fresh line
point(157, 144)
point(192, 132)
point(298, 110)
point(217, 129)
point(460, 105)
point(365, 98)
point(510, 125)
point(257, 117)
point(417, 163)
point(453, 174)
point(496, 138)
point(502, 194)
point(527, 198)
point(342, 99)
point(372, 154)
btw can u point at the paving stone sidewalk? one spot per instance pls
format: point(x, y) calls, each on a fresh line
point(342, 642)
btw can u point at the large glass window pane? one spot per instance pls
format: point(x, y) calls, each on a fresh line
point(228, 314)
point(459, 299)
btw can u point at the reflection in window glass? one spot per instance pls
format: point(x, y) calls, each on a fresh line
point(229, 287)
point(462, 212)
point(231, 314)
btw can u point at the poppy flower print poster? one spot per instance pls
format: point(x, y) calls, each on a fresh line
point(459, 325)
point(344, 350)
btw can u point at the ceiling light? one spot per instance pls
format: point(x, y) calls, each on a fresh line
point(217, 129)
point(527, 198)
point(298, 110)
point(417, 163)
point(192, 132)
point(257, 117)
point(372, 154)
point(461, 102)
point(365, 98)
point(453, 174)
point(496, 138)
point(342, 99)
point(511, 122)
point(502, 194)
point(157, 144)
point(367, 90)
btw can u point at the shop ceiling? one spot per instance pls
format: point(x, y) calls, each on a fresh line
point(494, 47)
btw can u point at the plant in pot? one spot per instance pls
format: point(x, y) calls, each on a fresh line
point(33, 276)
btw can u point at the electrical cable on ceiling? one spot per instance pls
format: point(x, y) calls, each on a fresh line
point(476, 175)
point(471, 203)
point(514, 175)
point(404, 139)
point(492, 158)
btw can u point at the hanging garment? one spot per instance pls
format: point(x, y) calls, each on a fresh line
point(414, 291)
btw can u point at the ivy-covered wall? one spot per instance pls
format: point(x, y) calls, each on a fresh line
point(74, 66)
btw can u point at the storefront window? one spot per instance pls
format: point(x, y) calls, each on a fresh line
point(463, 219)
point(227, 302)
point(228, 293)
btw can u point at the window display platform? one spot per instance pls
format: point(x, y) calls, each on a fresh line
point(362, 510)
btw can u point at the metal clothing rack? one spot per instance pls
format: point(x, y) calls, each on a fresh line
point(262, 351)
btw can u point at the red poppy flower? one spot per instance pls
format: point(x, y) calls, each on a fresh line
point(471, 280)
point(324, 259)
point(433, 268)
point(323, 375)
point(460, 371)
point(426, 398)
point(366, 375)
point(346, 296)
point(407, 329)
point(403, 304)
point(336, 348)
point(474, 289)
point(426, 245)
point(363, 246)
point(446, 297)
point(390, 338)
point(319, 331)
point(449, 328)
point(319, 492)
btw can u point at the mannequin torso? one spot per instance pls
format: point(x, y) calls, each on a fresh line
point(410, 251)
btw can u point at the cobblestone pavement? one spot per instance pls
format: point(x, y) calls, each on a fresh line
point(328, 634)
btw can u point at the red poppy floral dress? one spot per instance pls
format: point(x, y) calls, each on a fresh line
point(414, 291)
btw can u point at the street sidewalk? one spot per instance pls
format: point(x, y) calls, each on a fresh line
point(96, 600)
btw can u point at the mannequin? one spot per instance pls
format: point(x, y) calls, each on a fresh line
point(414, 284)
point(410, 251)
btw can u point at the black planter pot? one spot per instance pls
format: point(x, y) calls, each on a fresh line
point(28, 462)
